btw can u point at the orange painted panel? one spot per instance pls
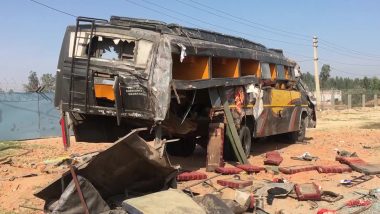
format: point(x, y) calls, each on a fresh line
point(249, 67)
point(104, 91)
point(225, 67)
point(192, 68)
point(272, 71)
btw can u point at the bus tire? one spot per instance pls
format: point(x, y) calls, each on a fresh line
point(246, 140)
point(299, 136)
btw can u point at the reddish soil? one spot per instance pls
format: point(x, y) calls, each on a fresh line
point(343, 130)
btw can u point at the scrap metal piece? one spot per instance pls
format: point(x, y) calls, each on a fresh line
point(359, 180)
point(131, 164)
point(330, 196)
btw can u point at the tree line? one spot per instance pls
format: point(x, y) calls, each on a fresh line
point(341, 83)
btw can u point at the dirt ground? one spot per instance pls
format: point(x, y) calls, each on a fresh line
point(344, 130)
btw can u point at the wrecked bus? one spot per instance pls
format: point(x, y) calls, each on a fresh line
point(122, 74)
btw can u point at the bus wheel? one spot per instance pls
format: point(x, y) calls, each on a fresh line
point(184, 147)
point(245, 139)
point(299, 136)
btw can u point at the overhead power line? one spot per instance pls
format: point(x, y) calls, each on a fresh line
point(345, 72)
point(338, 47)
point(230, 17)
point(346, 53)
point(353, 64)
point(212, 24)
point(210, 9)
point(52, 8)
point(161, 13)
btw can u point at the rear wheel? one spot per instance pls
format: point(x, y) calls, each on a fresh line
point(245, 139)
point(299, 136)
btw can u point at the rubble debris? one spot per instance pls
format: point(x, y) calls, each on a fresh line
point(358, 202)
point(174, 201)
point(130, 165)
point(360, 165)
point(212, 204)
point(263, 192)
point(250, 168)
point(188, 176)
point(358, 180)
point(330, 196)
point(204, 181)
point(69, 201)
point(308, 191)
point(215, 147)
point(375, 193)
point(344, 153)
point(273, 158)
point(296, 169)
point(234, 183)
point(334, 169)
point(305, 157)
point(244, 198)
point(326, 211)
point(228, 170)
point(12, 178)
point(275, 192)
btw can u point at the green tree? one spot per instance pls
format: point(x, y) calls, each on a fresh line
point(33, 82)
point(324, 75)
point(48, 81)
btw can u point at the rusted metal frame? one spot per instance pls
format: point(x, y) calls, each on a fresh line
point(79, 191)
point(88, 61)
point(72, 65)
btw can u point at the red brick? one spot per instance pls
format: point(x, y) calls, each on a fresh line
point(228, 170)
point(309, 191)
point(250, 168)
point(234, 183)
point(334, 169)
point(188, 176)
point(273, 158)
point(296, 169)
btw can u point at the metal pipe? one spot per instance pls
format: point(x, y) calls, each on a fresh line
point(77, 186)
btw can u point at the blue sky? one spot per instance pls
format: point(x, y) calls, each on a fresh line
point(349, 30)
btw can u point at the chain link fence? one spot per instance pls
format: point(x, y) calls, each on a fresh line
point(28, 116)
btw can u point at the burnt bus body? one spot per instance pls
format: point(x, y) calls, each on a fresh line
point(129, 73)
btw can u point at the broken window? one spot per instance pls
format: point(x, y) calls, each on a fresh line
point(111, 49)
point(265, 71)
point(281, 72)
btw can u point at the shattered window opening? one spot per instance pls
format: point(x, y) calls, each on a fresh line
point(265, 71)
point(281, 72)
point(111, 49)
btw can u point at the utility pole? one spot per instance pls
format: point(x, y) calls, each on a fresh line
point(316, 75)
